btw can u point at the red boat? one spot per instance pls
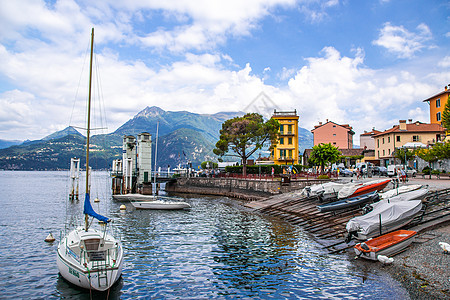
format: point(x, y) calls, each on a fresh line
point(388, 244)
point(358, 189)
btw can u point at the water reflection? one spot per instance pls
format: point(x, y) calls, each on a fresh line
point(214, 250)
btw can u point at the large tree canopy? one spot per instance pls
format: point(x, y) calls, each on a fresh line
point(446, 115)
point(324, 154)
point(245, 135)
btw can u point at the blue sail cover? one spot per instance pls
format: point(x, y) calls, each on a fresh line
point(90, 211)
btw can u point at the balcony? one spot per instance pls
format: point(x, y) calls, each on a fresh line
point(285, 158)
point(285, 132)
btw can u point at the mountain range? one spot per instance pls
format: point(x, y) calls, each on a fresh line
point(183, 137)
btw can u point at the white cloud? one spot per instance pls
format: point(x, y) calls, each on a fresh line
point(401, 42)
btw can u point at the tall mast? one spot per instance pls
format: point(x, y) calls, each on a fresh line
point(86, 217)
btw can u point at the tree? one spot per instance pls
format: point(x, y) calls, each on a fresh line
point(446, 116)
point(245, 135)
point(324, 154)
point(442, 150)
point(404, 155)
point(428, 155)
point(209, 164)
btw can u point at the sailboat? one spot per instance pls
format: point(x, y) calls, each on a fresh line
point(88, 257)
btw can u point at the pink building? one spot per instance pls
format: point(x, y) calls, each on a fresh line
point(340, 136)
point(367, 141)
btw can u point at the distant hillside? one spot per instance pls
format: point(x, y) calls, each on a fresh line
point(183, 137)
point(62, 133)
point(8, 143)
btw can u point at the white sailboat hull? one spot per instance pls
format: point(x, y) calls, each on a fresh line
point(77, 267)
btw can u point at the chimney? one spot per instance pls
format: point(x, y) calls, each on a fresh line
point(409, 121)
point(445, 87)
point(326, 121)
point(320, 123)
point(402, 124)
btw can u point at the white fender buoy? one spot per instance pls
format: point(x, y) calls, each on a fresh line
point(123, 207)
point(96, 200)
point(49, 238)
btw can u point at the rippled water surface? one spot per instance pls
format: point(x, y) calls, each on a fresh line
point(216, 249)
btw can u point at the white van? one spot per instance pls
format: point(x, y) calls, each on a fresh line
point(393, 170)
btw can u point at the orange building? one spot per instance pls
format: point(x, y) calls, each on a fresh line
point(340, 136)
point(437, 105)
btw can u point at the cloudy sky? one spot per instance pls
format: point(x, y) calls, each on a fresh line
point(365, 63)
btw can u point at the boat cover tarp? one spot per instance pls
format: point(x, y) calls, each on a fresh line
point(408, 196)
point(391, 213)
point(326, 188)
point(90, 211)
point(350, 188)
point(399, 190)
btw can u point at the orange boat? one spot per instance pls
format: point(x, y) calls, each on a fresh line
point(388, 244)
point(378, 186)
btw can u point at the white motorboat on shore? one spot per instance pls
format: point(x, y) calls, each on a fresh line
point(383, 219)
point(399, 190)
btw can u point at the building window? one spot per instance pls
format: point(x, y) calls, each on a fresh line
point(281, 141)
point(389, 151)
point(389, 140)
point(334, 143)
point(282, 153)
point(290, 153)
point(334, 126)
point(438, 116)
point(289, 128)
point(289, 141)
point(438, 102)
point(398, 138)
point(378, 153)
point(383, 141)
point(415, 138)
point(378, 143)
point(281, 129)
point(383, 153)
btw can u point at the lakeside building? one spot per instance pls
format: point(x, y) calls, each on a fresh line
point(437, 105)
point(387, 141)
point(367, 140)
point(285, 152)
point(340, 136)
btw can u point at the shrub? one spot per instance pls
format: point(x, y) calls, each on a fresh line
point(426, 170)
point(435, 172)
point(323, 177)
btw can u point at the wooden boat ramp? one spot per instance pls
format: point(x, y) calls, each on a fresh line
point(329, 227)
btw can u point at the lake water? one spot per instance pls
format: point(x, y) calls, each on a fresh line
point(217, 249)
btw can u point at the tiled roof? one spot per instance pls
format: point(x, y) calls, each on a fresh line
point(373, 132)
point(346, 126)
point(437, 95)
point(414, 127)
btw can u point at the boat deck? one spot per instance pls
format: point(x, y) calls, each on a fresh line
point(329, 227)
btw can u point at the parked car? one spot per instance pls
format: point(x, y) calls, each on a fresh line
point(345, 172)
point(382, 171)
point(410, 172)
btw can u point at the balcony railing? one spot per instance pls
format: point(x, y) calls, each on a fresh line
point(286, 132)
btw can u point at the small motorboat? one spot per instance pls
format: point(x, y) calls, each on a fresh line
point(358, 189)
point(407, 196)
point(399, 190)
point(325, 190)
point(383, 219)
point(349, 202)
point(388, 244)
point(159, 202)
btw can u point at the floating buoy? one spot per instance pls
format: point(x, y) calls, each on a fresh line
point(49, 238)
point(123, 207)
point(97, 200)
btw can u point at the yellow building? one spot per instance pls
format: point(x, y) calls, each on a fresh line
point(386, 142)
point(437, 105)
point(285, 151)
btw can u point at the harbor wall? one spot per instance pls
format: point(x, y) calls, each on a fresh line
point(248, 189)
